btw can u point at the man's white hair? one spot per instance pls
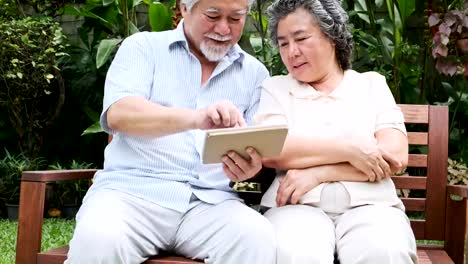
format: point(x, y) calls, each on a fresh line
point(190, 3)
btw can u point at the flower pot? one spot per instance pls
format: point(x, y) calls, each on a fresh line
point(12, 211)
point(69, 211)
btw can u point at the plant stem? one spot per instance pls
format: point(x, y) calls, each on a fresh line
point(262, 33)
point(125, 18)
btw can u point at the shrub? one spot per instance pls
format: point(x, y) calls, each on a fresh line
point(31, 89)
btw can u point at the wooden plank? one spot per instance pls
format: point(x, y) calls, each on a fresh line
point(58, 256)
point(423, 258)
point(414, 204)
point(437, 172)
point(57, 175)
point(409, 182)
point(460, 190)
point(30, 219)
point(439, 257)
point(418, 228)
point(455, 229)
point(417, 138)
point(415, 114)
point(417, 160)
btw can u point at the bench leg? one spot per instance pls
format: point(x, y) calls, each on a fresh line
point(455, 229)
point(30, 219)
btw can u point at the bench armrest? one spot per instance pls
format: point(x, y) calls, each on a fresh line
point(57, 175)
point(460, 190)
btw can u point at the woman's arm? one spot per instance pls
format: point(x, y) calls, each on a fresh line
point(395, 142)
point(302, 152)
point(298, 182)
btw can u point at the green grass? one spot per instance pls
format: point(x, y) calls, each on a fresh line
point(55, 233)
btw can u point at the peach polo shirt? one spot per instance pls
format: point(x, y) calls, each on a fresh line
point(361, 105)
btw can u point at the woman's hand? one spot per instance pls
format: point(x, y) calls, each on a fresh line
point(296, 183)
point(372, 160)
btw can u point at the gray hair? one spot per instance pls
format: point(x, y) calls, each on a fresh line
point(330, 17)
point(190, 3)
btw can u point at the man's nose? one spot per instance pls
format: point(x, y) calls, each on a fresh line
point(222, 27)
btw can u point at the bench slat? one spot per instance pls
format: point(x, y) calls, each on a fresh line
point(418, 228)
point(414, 204)
point(417, 138)
point(415, 114)
point(426, 255)
point(58, 256)
point(410, 182)
point(417, 160)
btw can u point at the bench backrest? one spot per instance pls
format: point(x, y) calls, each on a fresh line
point(426, 176)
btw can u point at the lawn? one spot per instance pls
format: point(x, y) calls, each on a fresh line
point(55, 233)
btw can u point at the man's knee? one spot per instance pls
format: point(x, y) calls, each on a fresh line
point(97, 243)
point(250, 238)
point(255, 231)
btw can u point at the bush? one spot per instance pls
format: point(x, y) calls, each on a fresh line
point(457, 172)
point(32, 89)
point(11, 169)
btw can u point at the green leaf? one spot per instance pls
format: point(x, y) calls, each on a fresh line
point(406, 7)
point(133, 29)
point(105, 49)
point(136, 3)
point(159, 18)
point(107, 2)
point(361, 9)
point(94, 128)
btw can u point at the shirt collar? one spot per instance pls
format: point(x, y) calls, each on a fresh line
point(178, 38)
point(306, 91)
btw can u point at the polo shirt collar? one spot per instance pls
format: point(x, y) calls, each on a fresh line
point(306, 91)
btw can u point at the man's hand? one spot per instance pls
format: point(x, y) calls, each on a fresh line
point(373, 161)
point(239, 169)
point(219, 115)
point(296, 183)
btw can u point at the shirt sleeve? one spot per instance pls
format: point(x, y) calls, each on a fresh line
point(261, 75)
point(270, 110)
point(130, 74)
point(389, 115)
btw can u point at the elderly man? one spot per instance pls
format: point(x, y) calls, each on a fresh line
point(154, 194)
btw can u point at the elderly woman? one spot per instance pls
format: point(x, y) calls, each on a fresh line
point(333, 195)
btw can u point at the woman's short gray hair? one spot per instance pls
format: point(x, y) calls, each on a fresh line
point(190, 3)
point(329, 15)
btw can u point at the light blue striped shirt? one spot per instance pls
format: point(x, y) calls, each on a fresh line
point(168, 170)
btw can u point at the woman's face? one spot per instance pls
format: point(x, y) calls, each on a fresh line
point(306, 52)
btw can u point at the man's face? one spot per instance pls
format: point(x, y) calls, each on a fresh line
point(212, 27)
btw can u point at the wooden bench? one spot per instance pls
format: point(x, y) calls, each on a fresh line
point(444, 218)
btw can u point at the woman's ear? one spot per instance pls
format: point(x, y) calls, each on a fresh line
point(183, 9)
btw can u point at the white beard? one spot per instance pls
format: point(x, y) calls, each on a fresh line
point(215, 52)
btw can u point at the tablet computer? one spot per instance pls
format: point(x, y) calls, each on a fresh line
point(267, 140)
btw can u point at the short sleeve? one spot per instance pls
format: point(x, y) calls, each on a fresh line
point(261, 75)
point(270, 110)
point(130, 74)
point(388, 114)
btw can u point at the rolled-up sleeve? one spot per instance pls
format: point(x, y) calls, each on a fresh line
point(130, 74)
point(389, 115)
point(270, 110)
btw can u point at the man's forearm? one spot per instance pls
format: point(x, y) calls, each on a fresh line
point(139, 117)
